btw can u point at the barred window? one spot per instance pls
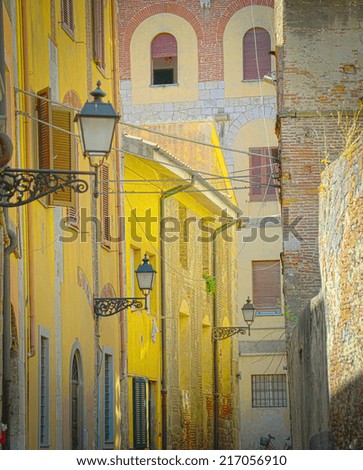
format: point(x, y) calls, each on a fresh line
point(269, 391)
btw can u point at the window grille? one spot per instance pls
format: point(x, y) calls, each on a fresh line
point(269, 391)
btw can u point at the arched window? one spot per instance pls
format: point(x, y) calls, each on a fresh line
point(256, 57)
point(164, 59)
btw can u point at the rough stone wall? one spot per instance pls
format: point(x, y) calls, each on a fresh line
point(309, 404)
point(319, 68)
point(191, 411)
point(341, 255)
point(1, 315)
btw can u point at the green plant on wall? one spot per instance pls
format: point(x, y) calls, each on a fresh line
point(289, 315)
point(210, 284)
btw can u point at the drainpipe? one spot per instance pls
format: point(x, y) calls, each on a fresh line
point(164, 383)
point(219, 230)
point(7, 327)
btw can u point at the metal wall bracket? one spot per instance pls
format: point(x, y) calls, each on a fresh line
point(106, 307)
point(21, 186)
point(224, 332)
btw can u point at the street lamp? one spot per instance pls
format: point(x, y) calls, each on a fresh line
point(248, 312)
point(145, 275)
point(97, 121)
point(18, 186)
point(223, 332)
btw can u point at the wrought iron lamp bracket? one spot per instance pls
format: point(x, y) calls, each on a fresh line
point(224, 332)
point(20, 186)
point(106, 307)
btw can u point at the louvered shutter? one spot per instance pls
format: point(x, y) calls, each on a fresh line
point(63, 152)
point(266, 286)
point(262, 167)
point(105, 206)
point(44, 131)
point(164, 45)
point(271, 169)
point(67, 15)
point(256, 58)
point(140, 413)
point(99, 32)
point(256, 174)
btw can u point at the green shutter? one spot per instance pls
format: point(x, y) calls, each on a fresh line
point(140, 412)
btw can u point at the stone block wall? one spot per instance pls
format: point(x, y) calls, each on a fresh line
point(307, 363)
point(341, 255)
point(319, 86)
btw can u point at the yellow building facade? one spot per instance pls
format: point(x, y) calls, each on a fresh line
point(188, 230)
point(65, 362)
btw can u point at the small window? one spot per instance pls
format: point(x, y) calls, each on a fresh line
point(263, 170)
point(266, 287)
point(256, 57)
point(68, 16)
point(269, 391)
point(140, 412)
point(164, 59)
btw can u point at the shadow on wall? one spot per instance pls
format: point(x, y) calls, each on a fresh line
point(347, 415)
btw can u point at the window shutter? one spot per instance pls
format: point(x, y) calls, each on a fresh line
point(266, 286)
point(256, 58)
point(67, 15)
point(256, 174)
point(164, 45)
point(44, 130)
point(272, 168)
point(261, 178)
point(63, 153)
point(140, 413)
point(99, 32)
point(105, 206)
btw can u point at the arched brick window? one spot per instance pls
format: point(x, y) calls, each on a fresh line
point(256, 58)
point(164, 59)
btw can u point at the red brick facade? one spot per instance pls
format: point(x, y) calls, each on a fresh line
point(208, 23)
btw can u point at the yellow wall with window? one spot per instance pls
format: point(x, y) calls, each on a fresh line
point(186, 88)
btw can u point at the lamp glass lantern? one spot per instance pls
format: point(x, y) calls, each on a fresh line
point(248, 312)
point(97, 121)
point(145, 275)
